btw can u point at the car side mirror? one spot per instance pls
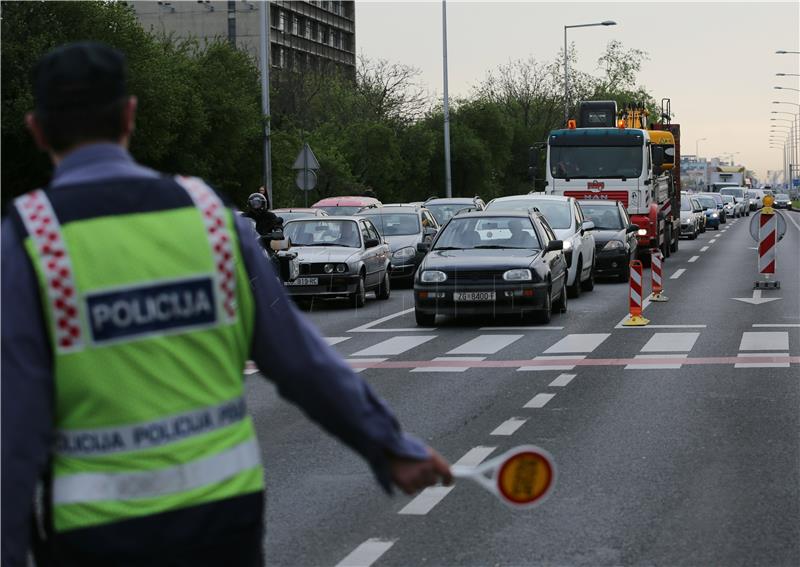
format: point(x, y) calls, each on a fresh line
point(705, 208)
point(429, 231)
point(423, 247)
point(587, 225)
point(554, 246)
point(371, 243)
point(632, 228)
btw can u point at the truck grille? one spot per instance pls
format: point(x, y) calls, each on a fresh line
point(621, 196)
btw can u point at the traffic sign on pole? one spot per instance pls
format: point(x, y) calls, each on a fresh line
point(521, 477)
point(307, 163)
point(306, 159)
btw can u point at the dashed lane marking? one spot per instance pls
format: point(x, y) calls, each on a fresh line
point(694, 259)
point(578, 343)
point(335, 340)
point(765, 340)
point(367, 553)
point(485, 344)
point(430, 497)
point(509, 426)
point(671, 342)
point(450, 368)
point(678, 273)
point(712, 241)
point(539, 401)
point(562, 380)
point(776, 325)
point(664, 327)
point(394, 346)
point(511, 328)
point(368, 327)
point(704, 248)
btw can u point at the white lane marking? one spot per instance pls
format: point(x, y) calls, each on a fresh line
point(678, 273)
point(562, 380)
point(539, 400)
point(336, 340)
point(352, 360)
point(776, 325)
point(509, 426)
point(450, 368)
point(656, 365)
point(430, 497)
point(671, 342)
point(511, 328)
point(664, 327)
point(765, 340)
point(485, 344)
point(704, 248)
point(578, 343)
point(367, 327)
point(712, 241)
point(745, 355)
point(367, 553)
point(694, 259)
point(797, 226)
point(553, 367)
point(394, 346)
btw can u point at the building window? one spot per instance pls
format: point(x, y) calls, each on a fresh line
point(295, 25)
point(336, 39)
point(282, 21)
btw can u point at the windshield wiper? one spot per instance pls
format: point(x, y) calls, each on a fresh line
point(448, 248)
point(498, 247)
point(327, 244)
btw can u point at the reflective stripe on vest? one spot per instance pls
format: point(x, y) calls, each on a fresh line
point(94, 487)
point(45, 231)
point(109, 440)
point(213, 210)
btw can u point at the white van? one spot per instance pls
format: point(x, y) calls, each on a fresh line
point(756, 198)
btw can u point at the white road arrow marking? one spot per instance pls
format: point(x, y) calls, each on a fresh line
point(756, 299)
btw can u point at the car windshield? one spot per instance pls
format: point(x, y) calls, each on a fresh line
point(287, 216)
point(445, 211)
point(782, 196)
point(323, 233)
point(343, 211)
point(395, 224)
point(727, 198)
point(488, 232)
point(600, 162)
point(752, 195)
point(604, 217)
point(732, 192)
point(686, 204)
point(557, 212)
point(707, 201)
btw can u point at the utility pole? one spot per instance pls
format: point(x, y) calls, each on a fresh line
point(266, 118)
point(447, 177)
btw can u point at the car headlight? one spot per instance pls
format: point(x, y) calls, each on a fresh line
point(433, 276)
point(567, 245)
point(523, 275)
point(614, 245)
point(642, 232)
point(714, 215)
point(328, 268)
point(406, 252)
point(341, 268)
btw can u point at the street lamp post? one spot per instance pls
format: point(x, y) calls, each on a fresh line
point(787, 89)
point(264, 52)
point(697, 147)
point(566, 62)
point(448, 185)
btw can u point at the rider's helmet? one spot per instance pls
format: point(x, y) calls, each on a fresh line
point(257, 202)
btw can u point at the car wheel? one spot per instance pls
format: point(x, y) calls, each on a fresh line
point(561, 304)
point(359, 297)
point(424, 319)
point(693, 236)
point(575, 289)
point(544, 315)
point(385, 289)
point(588, 284)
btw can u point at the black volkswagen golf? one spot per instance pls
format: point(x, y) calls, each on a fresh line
point(492, 263)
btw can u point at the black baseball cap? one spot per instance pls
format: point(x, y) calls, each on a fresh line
point(79, 75)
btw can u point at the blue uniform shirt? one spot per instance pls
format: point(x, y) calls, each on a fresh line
point(286, 347)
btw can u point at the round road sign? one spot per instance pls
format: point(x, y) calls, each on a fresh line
point(306, 179)
point(525, 477)
point(755, 222)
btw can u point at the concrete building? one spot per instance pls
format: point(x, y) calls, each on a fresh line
point(303, 35)
point(694, 173)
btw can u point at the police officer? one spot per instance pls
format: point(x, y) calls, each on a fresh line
point(131, 301)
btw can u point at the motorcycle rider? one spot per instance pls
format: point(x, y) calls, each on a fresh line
point(257, 209)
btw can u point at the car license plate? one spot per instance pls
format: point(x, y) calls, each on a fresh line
point(304, 281)
point(474, 296)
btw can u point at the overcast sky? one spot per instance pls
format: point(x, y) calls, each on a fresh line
point(715, 60)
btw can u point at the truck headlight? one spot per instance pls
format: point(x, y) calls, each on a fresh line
point(523, 275)
point(407, 252)
point(642, 232)
point(614, 245)
point(433, 276)
point(714, 215)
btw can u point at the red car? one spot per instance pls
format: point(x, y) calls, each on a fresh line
point(345, 205)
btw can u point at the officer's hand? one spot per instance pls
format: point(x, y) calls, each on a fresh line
point(412, 475)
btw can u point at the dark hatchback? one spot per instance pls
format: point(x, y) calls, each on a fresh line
point(614, 237)
point(492, 263)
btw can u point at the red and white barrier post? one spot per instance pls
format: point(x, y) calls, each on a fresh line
point(635, 318)
point(656, 274)
point(767, 240)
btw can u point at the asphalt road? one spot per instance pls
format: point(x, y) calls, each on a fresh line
point(692, 461)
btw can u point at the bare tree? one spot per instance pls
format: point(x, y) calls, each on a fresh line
point(391, 90)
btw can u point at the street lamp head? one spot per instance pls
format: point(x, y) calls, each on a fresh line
point(779, 88)
point(780, 52)
point(609, 23)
